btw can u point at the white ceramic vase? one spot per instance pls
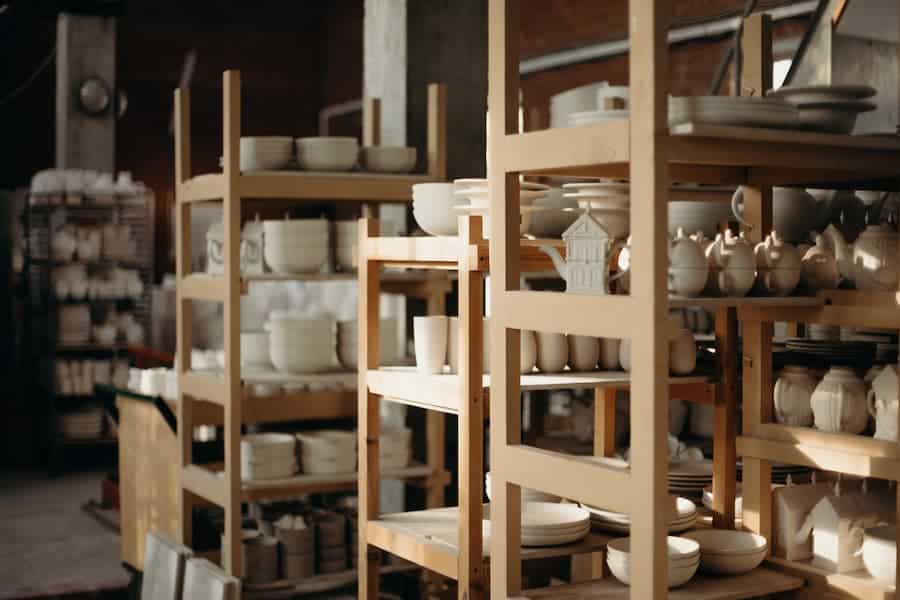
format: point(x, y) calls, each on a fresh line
point(839, 402)
point(609, 354)
point(430, 340)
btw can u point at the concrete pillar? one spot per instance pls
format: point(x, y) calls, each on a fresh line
point(86, 48)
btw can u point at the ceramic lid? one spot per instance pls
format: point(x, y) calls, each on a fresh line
point(253, 229)
point(216, 232)
point(775, 253)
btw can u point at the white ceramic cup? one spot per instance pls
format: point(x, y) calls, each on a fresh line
point(430, 338)
point(584, 352)
point(552, 351)
point(527, 351)
point(609, 354)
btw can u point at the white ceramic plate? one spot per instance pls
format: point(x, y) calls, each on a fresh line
point(845, 91)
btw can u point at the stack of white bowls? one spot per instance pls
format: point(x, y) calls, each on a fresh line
point(560, 214)
point(609, 202)
point(327, 452)
point(828, 108)
point(476, 191)
point(395, 447)
point(327, 153)
point(388, 159)
point(348, 343)
point(684, 518)
point(265, 153)
point(433, 208)
point(553, 524)
point(294, 246)
point(528, 495)
point(575, 100)
point(603, 110)
point(81, 425)
point(728, 552)
point(684, 558)
point(268, 456)
point(346, 237)
point(300, 345)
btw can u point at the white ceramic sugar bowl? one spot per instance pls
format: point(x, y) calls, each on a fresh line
point(839, 402)
point(793, 393)
point(778, 266)
point(732, 266)
point(819, 269)
point(875, 259)
point(688, 267)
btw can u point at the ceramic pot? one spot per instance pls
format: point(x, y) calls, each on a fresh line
point(819, 269)
point(778, 266)
point(839, 402)
point(688, 267)
point(795, 212)
point(552, 352)
point(584, 352)
point(882, 402)
point(793, 392)
point(527, 351)
point(609, 354)
point(875, 259)
point(732, 266)
point(682, 352)
point(430, 340)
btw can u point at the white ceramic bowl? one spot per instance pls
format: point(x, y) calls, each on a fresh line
point(294, 229)
point(255, 348)
point(684, 559)
point(328, 442)
point(327, 153)
point(729, 552)
point(388, 159)
point(528, 494)
point(880, 553)
point(265, 153)
point(305, 259)
point(433, 208)
point(614, 220)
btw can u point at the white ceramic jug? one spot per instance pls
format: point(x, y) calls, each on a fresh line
point(839, 402)
point(875, 259)
point(688, 267)
point(793, 392)
point(882, 402)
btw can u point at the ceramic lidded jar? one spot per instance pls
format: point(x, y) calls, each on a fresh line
point(875, 259)
point(793, 393)
point(820, 270)
point(777, 265)
point(688, 267)
point(839, 402)
point(732, 266)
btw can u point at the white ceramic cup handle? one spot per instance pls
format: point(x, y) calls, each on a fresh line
point(857, 536)
point(736, 200)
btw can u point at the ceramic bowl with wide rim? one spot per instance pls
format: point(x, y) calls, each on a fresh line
point(729, 552)
point(327, 153)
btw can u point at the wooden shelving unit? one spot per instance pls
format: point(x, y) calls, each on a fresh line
point(652, 156)
point(227, 397)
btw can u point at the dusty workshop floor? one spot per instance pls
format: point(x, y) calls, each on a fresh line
point(48, 545)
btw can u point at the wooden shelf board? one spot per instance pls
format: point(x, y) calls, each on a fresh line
point(304, 484)
point(316, 584)
point(787, 136)
point(406, 385)
point(745, 301)
point(757, 583)
point(300, 405)
point(329, 186)
point(858, 584)
point(386, 277)
point(430, 538)
point(445, 252)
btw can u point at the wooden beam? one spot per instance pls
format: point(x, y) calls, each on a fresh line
point(371, 122)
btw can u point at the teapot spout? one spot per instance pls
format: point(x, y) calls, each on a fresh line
point(558, 261)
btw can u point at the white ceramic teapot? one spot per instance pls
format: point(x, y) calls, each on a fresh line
point(688, 267)
point(793, 393)
point(215, 249)
point(732, 267)
point(252, 247)
point(839, 402)
point(819, 268)
point(841, 250)
point(875, 258)
point(778, 266)
point(795, 212)
point(882, 401)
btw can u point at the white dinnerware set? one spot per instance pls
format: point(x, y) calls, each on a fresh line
point(550, 523)
point(609, 202)
point(684, 559)
point(301, 345)
point(295, 246)
point(84, 424)
point(272, 153)
point(683, 518)
point(75, 187)
point(77, 377)
point(827, 108)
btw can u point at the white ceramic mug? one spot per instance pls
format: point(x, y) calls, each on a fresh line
point(527, 351)
point(609, 354)
point(430, 339)
point(584, 352)
point(552, 351)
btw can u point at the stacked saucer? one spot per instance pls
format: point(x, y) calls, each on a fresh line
point(684, 558)
point(267, 456)
point(553, 524)
point(688, 478)
point(684, 518)
point(476, 191)
point(609, 202)
point(741, 111)
point(833, 352)
point(827, 108)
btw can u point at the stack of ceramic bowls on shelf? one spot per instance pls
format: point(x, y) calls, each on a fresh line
point(553, 524)
point(295, 246)
point(297, 542)
point(728, 552)
point(389, 352)
point(528, 495)
point(575, 100)
point(608, 201)
point(327, 452)
point(684, 518)
point(331, 542)
point(827, 108)
point(739, 111)
point(387, 159)
point(268, 456)
point(346, 237)
point(301, 345)
point(266, 153)
point(433, 208)
point(74, 324)
point(688, 478)
point(327, 153)
point(395, 447)
point(560, 212)
point(684, 559)
point(476, 191)
point(83, 424)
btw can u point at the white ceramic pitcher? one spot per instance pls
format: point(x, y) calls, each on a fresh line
point(882, 400)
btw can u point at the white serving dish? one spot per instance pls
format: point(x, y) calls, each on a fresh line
point(327, 153)
point(388, 159)
point(433, 208)
point(729, 552)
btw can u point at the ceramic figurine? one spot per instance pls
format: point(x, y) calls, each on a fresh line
point(585, 268)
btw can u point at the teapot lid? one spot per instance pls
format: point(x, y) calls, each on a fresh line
point(216, 232)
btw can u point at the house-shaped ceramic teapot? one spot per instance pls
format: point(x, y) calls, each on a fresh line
point(585, 268)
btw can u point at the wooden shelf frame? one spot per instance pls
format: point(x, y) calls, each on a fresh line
point(226, 400)
point(645, 150)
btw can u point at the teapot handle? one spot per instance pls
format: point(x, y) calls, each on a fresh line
point(803, 533)
point(736, 209)
point(857, 537)
point(870, 403)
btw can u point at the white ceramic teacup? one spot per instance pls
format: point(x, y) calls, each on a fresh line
point(430, 338)
point(609, 354)
point(584, 352)
point(552, 351)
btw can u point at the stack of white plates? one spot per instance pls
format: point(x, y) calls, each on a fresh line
point(395, 447)
point(265, 153)
point(827, 108)
point(742, 111)
point(327, 452)
point(294, 246)
point(589, 117)
point(781, 472)
point(476, 191)
point(553, 524)
point(299, 345)
point(684, 518)
point(74, 324)
point(346, 236)
point(268, 456)
point(688, 478)
point(833, 351)
point(684, 558)
point(580, 99)
point(433, 208)
point(609, 202)
point(388, 346)
point(528, 495)
point(81, 425)
point(728, 552)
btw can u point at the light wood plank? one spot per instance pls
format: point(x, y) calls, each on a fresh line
point(827, 584)
point(725, 427)
point(551, 149)
point(437, 131)
point(371, 122)
point(203, 188)
point(199, 286)
point(846, 315)
point(291, 487)
point(604, 421)
point(611, 316)
point(206, 484)
point(204, 387)
point(334, 187)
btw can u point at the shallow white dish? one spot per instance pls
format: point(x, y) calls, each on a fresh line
point(556, 539)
